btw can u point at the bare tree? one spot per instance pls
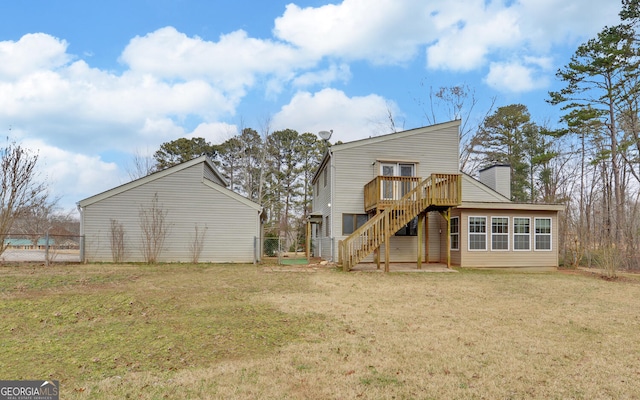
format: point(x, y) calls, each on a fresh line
point(116, 230)
point(34, 221)
point(458, 102)
point(20, 189)
point(154, 230)
point(141, 166)
point(197, 243)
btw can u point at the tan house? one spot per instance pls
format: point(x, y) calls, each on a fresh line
point(401, 198)
point(194, 198)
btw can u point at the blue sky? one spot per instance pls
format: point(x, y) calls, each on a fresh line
point(88, 84)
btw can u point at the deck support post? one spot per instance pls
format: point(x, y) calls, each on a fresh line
point(376, 252)
point(420, 240)
point(426, 235)
point(387, 236)
point(447, 216)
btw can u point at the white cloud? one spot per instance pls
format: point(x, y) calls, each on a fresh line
point(230, 64)
point(514, 77)
point(466, 44)
point(463, 35)
point(333, 73)
point(385, 31)
point(33, 52)
point(214, 133)
point(552, 22)
point(351, 118)
point(73, 176)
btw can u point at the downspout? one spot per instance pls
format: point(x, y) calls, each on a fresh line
point(332, 169)
point(81, 232)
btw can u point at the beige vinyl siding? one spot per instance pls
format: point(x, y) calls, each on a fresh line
point(231, 225)
point(435, 150)
point(475, 191)
point(510, 258)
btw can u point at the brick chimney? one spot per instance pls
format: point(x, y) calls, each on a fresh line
point(498, 178)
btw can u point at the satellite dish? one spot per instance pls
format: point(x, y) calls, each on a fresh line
point(325, 135)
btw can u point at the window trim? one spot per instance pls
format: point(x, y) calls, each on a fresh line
point(397, 169)
point(451, 234)
point(536, 234)
point(528, 235)
point(469, 233)
point(500, 234)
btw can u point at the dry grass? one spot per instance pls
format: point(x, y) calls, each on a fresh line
point(237, 332)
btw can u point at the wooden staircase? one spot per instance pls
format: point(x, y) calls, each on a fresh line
point(437, 192)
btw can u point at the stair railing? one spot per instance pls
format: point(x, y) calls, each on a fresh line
point(437, 190)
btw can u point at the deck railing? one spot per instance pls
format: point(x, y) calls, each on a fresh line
point(438, 190)
point(384, 190)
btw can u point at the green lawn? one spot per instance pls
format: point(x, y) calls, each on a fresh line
point(237, 331)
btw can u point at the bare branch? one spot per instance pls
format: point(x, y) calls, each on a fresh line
point(154, 229)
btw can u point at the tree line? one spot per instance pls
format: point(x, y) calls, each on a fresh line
point(273, 169)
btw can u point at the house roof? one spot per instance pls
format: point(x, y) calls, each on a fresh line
point(377, 139)
point(511, 206)
point(150, 178)
point(484, 188)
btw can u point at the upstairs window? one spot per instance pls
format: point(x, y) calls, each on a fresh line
point(394, 189)
point(397, 169)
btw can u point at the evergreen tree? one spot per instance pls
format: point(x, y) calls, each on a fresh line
point(509, 137)
point(181, 150)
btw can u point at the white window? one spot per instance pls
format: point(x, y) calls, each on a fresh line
point(499, 233)
point(397, 169)
point(522, 233)
point(454, 233)
point(477, 233)
point(543, 233)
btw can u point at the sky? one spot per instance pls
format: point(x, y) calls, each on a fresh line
point(88, 85)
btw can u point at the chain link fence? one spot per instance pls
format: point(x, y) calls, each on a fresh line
point(276, 250)
point(43, 249)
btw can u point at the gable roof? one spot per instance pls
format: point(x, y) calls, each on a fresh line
point(484, 189)
point(152, 177)
point(382, 138)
